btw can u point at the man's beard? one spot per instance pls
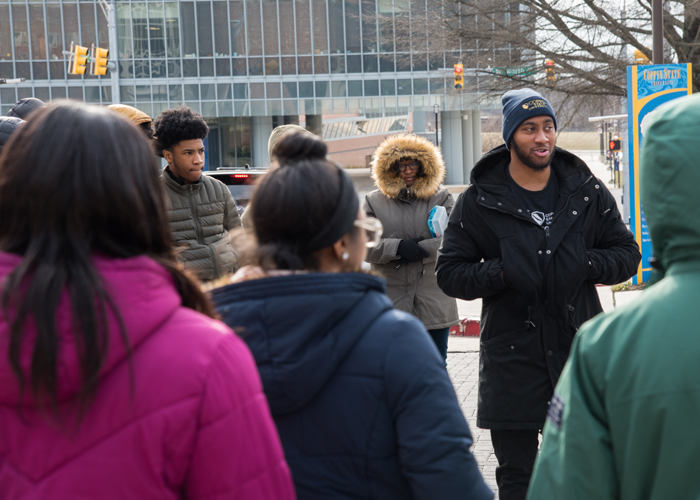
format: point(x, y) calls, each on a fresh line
point(525, 160)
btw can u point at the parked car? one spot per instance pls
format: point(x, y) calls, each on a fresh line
point(240, 182)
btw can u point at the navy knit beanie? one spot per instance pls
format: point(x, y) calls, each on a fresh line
point(518, 106)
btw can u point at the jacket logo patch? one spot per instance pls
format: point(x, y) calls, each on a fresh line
point(556, 411)
point(538, 217)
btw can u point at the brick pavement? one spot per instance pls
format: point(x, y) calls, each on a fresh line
point(463, 368)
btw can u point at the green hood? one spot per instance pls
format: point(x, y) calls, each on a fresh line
point(670, 182)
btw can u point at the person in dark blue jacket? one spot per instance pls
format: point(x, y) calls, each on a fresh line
point(359, 393)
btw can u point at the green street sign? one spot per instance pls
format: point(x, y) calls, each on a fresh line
point(520, 71)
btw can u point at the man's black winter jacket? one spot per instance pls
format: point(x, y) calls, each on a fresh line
point(532, 310)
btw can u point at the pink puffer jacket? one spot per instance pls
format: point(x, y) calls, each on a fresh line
point(196, 425)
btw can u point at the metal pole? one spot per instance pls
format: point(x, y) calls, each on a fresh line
point(436, 130)
point(113, 52)
point(657, 31)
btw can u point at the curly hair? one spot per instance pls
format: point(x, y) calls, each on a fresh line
point(178, 124)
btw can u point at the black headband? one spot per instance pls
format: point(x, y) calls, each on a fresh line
point(343, 218)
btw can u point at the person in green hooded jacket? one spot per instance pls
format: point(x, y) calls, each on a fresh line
point(621, 421)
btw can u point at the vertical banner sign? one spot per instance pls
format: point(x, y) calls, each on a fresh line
point(648, 87)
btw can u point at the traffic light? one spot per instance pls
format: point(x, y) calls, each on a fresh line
point(615, 145)
point(459, 76)
point(640, 58)
point(551, 74)
point(99, 61)
point(80, 59)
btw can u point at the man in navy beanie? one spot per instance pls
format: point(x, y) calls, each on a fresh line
point(532, 236)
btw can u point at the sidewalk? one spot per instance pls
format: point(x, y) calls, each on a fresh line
point(463, 367)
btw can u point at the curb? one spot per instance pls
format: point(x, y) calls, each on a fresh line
point(467, 327)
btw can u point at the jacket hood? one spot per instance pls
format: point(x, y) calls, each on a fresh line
point(142, 291)
point(407, 146)
point(25, 107)
point(669, 179)
point(491, 169)
point(8, 124)
point(300, 328)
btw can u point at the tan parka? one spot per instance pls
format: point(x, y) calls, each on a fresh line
point(200, 217)
point(404, 214)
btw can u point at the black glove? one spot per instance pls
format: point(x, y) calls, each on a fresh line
point(411, 251)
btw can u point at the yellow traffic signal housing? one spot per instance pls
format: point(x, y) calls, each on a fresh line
point(640, 58)
point(80, 59)
point(99, 61)
point(459, 76)
point(551, 76)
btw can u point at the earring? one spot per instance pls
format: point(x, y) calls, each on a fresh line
point(345, 256)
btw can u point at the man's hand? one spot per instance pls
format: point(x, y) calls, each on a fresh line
point(411, 251)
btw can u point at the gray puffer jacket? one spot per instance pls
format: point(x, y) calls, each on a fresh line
point(200, 217)
point(404, 214)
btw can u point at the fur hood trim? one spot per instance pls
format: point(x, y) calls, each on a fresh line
point(407, 146)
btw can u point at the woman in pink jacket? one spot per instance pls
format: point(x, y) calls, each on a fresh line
point(115, 381)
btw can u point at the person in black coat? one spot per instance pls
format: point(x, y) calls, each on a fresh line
point(8, 124)
point(25, 107)
point(532, 236)
point(360, 396)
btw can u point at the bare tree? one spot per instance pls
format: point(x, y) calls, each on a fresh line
point(504, 44)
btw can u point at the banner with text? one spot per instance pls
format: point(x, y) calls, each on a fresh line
point(648, 87)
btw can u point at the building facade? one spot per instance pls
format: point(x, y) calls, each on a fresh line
point(337, 67)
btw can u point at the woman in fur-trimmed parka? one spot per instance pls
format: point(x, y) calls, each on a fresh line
point(408, 171)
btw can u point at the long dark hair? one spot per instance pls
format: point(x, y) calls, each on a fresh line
point(76, 181)
point(293, 203)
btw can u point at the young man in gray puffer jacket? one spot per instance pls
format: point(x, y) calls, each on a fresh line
point(201, 210)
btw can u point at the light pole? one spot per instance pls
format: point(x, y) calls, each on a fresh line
point(657, 32)
point(436, 110)
point(110, 14)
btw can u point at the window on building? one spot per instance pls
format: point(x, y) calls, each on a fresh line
point(403, 86)
point(189, 30)
point(336, 30)
point(270, 27)
point(320, 28)
point(388, 87)
point(385, 22)
point(191, 92)
point(355, 88)
point(255, 44)
point(306, 89)
point(240, 91)
point(20, 31)
point(289, 89)
point(237, 22)
point(303, 16)
point(338, 89)
point(286, 32)
point(322, 89)
point(204, 30)
point(139, 21)
point(353, 40)
point(123, 32)
point(221, 29)
point(369, 26)
point(156, 30)
point(172, 29)
point(6, 35)
point(371, 87)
